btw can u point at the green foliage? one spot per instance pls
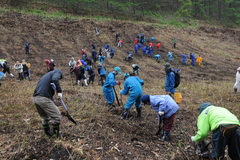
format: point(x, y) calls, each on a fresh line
point(153, 14)
point(185, 9)
point(175, 23)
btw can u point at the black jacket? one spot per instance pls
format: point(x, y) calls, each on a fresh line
point(44, 88)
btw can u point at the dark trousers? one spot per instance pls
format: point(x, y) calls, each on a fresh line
point(220, 142)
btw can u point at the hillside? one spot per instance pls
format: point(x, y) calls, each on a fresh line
point(100, 134)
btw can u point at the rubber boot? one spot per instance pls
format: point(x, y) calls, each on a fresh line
point(235, 90)
point(78, 83)
point(56, 130)
point(139, 111)
point(47, 131)
point(11, 75)
point(165, 136)
point(125, 113)
point(86, 82)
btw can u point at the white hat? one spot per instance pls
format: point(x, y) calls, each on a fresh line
point(51, 60)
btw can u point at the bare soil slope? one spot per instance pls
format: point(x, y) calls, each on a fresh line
point(100, 134)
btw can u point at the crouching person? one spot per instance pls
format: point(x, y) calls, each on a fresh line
point(133, 88)
point(43, 101)
point(225, 130)
point(165, 108)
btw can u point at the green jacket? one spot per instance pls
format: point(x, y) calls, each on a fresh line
point(210, 119)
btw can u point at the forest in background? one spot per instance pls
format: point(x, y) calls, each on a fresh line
point(226, 11)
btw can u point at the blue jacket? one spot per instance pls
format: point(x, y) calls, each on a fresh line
point(136, 47)
point(110, 81)
point(164, 103)
point(184, 58)
point(107, 46)
point(170, 81)
point(101, 70)
point(132, 86)
point(157, 56)
point(144, 49)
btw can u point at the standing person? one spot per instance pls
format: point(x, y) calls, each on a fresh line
point(159, 45)
point(165, 108)
point(72, 63)
point(75, 70)
point(26, 70)
point(51, 65)
point(237, 83)
point(81, 74)
point(43, 101)
point(224, 127)
point(136, 48)
point(135, 41)
point(6, 68)
point(19, 69)
point(170, 80)
point(93, 46)
point(184, 59)
point(101, 59)
point(170, 56)
point(150, 51)
point(174, 42)
point(117, 37)
point(102, 72)
point(90, 75)
point(132, 88)
point(97, 32)
point(144, 50)
point(112, 52)
point(136, 69)
point(192, 59)
point(199, 60)
point(108, 86)
point(27, 48)
point(94, 55)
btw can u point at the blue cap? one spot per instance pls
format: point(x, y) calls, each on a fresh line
point(145, 98)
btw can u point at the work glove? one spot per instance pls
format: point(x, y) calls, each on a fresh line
point(161, 113)
point(120, 91)
point(192, 138)
point(118, 83)
point(59, 95)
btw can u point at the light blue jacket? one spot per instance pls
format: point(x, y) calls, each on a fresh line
point(164, 103)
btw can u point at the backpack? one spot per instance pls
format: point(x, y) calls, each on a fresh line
point(177, 78)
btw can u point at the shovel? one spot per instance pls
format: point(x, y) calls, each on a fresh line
point(64, 106)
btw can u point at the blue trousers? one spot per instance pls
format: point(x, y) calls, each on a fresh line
point(220, 142)
point(108, 93)
point(133, 99)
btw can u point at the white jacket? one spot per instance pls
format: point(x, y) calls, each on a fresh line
point(18, 68)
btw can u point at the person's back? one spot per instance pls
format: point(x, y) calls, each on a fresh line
point(44, 88)
point(132, 85)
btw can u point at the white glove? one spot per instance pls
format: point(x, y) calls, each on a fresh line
point(160, 113)
point(192, 138)
point(120, 91)
point(59, 95)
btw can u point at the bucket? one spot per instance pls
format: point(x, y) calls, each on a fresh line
point(178, 97)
